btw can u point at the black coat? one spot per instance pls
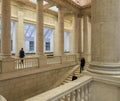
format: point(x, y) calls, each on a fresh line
point(82, 62)
point(74, 77)
point(21, 54)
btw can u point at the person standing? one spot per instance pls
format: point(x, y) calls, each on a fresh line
point(82, 64)
point(21, 55)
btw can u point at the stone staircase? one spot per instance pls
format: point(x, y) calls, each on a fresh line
point(76, 72)
point(69, 78)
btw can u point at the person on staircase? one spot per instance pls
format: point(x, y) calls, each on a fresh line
point(74, 77)
point(82, 64)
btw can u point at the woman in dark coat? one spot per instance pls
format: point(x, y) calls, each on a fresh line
point(82, 64)
point(21, 55)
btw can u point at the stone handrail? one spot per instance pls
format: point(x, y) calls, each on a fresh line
point(78, 90)
point(61, 59)
point(27, 63)
point(68, 58)
point(54, 60)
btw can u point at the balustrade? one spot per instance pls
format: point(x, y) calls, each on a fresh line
point(74, 91)
point(27, 63)
point(60, 59)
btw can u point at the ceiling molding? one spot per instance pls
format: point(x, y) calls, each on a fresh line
point(86, 11)
point(65, 4)
point(47, 6)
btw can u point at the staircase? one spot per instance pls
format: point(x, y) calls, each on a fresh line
point(76, 72)
point(69, 78)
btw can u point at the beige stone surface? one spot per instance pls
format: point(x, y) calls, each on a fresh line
point(16, 88)
point(104, 92)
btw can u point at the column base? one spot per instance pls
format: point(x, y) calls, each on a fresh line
point(104, 68)
point(7, 64)
point(42, 60)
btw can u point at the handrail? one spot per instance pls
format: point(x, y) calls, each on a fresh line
point(77, 90)
point(27, 63)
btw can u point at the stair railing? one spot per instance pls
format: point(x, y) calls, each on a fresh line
point(78, 90)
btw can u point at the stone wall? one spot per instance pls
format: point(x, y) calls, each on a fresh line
point(105, 91)
point(19, 88)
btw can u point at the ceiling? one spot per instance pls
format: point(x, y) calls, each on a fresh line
point(70, 6)
point(82, 2)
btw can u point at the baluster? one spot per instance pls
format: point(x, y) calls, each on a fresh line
point(24, 63)
point(19, 63)
point(89, 91)
point(77, 95)
point(72, 96)
point(66, 97)
point(86, 92)
point(16, 64)
point(26, 60)
point(59, 99)
point(82, 93)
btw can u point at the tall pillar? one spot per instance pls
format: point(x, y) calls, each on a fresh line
point(39, 34)
point(75, 35)
point(6, 27)
point(7, 63)
point(75, 43)
point(105, 37)
point(20, 32)
point(60, 31)
point(86, 38)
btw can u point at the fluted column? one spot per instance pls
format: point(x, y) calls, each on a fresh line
point(60, 31)
point(105, 37)
point(6, 30)
point(39, 34)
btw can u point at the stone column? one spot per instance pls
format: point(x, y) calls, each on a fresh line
point(20, 32)
point(105, 37)
point(86, 38)
point(60, 31)
point(6, 29)
point(6, 62)
point(40, 34)
point(76, 36)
